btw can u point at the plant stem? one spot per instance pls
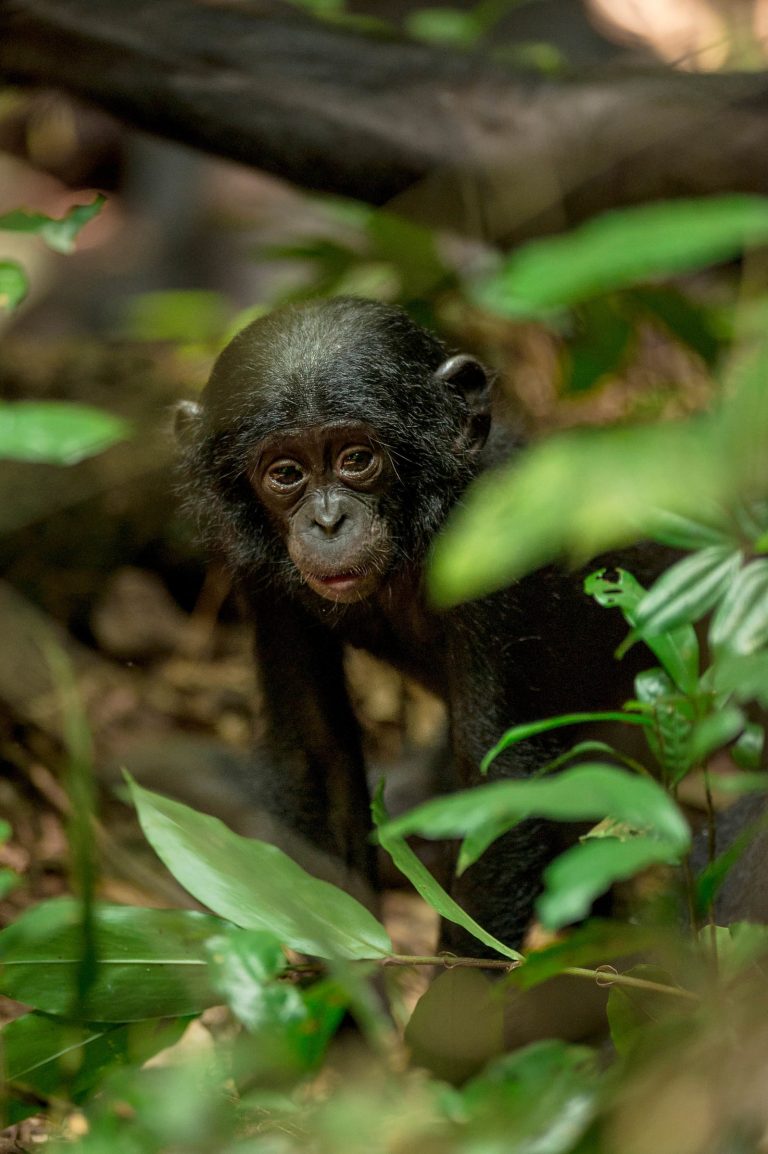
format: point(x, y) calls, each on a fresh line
point(617, 979)
point(608, 978)
point(450, 961)
point(711, 855)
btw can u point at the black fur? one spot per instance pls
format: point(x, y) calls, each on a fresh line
point(537, 649)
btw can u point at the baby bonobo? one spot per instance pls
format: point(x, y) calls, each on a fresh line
point(331, 443)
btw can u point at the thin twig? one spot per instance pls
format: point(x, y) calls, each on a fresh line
point(613, 978)
point(603, 976)
point(451, 961)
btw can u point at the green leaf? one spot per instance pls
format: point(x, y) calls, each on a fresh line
point(49, 1057)
point(743, 675)
point(670, 737)
point(621, 248)
point(410, 247)
point(689, 321)
point(740, 623)
point(742, 945)
point(292, 1026)
point(714, 732)
point(600, 346)
point(578, 494)
point(585, 793)
point(522, 732)
point(148, 964)
point(742, 424)
point(578, 876)
point(243, 962)
point(677, 650)
point(539, 1100)
point(747, 751)
point(712, 877)
point(57, 432)
point(740, 783)
point(189, 316)
point(631, 1012)
point(14, 284)
point(686, 533)
point(424, 883)
point(60, 234)
point(688, 590)
point(443, 26)
point(256, 885)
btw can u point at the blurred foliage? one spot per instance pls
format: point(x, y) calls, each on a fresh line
point(53, 433)
point(452, 27)
point(270, 1079)
point(59, 234)
point(593, 490)
point(56, 432)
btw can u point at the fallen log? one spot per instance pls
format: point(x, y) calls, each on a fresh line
point(451, 137)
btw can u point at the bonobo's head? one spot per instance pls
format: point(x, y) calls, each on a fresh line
point(330, 443)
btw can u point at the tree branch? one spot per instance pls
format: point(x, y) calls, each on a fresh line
point(453, 137)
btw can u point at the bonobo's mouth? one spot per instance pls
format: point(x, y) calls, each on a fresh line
point(343, 587)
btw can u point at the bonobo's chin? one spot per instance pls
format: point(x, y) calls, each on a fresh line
point(344, 588)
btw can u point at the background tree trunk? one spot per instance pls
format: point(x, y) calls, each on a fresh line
point(450, 137)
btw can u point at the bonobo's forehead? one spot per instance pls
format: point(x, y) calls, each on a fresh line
point(341, 360)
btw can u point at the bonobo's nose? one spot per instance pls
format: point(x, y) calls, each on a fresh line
point(328, 514)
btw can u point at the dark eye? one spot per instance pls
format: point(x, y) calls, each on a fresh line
point(284, 475)
point(358, 463)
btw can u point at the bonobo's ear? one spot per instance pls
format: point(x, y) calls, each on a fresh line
point(186, 419)
point(471, 379)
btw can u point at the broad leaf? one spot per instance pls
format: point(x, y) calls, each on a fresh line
point(686, 533)
point(673, 714)
point(57, 432)
point(631, 1012)
point(256, 885)
point(740, 623)
point(693, 323)
point(292, 1025)
point(621, 248)
point(576, 495)
point(743, 675)
point(426, 885)
point(740, 946)
point(599, 347)
point(54, 1058)
point(688, 590)
point(148, 963)
point(539, 1100)
point(714, 732)
point(585, 793)
point(747, 751)
point(677, 650)
point(578, 876)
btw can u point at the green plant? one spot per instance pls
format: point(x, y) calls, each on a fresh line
point(54, 432)
point(693, 1008)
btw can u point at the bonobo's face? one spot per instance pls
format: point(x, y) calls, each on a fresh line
point(322, 487)
point(329, 446)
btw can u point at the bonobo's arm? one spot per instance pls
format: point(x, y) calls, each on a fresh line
point(313, 778)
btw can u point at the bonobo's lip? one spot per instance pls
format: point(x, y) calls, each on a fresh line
point(351, 586)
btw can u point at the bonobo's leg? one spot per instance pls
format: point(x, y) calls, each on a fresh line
point(499, 890)
point(540, 650)
point(312, 777)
